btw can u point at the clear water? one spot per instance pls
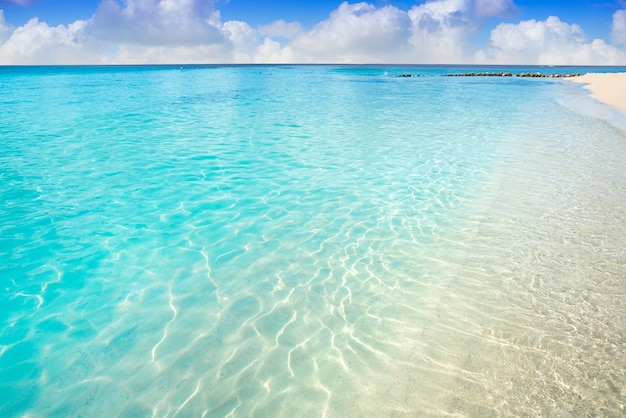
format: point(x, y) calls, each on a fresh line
point(282, 241)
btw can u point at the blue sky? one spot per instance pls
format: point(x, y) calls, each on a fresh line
point(307, 31)
point(593, 15)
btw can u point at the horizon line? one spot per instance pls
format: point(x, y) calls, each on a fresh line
point(182, 65)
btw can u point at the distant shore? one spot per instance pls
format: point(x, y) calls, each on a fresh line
point(609, 88)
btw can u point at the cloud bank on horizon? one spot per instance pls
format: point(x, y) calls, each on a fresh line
point(192, 31)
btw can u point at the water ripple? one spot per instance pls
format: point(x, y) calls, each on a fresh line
point(342, 246)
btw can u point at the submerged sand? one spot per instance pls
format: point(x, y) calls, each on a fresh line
point(609, 88)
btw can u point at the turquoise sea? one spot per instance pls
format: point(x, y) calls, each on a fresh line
point(309, 241)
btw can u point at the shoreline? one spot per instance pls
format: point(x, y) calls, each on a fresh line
point(608, 88)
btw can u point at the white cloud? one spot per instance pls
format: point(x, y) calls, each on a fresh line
point(157, 22)
point(37, 43)
point(271, 51)
point(436, 31)
point(618, 33)
point(440, 31)
point(535, 36)
point(549, 42)
point(244, 41)
point(436, 15)
point(191, 31)
point(355, 33)
point(281, 29)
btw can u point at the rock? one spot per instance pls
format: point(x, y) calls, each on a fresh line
point(509, 74)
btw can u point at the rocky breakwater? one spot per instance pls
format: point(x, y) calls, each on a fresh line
point(509, 74)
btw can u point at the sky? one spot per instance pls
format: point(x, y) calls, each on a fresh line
point(574, 32)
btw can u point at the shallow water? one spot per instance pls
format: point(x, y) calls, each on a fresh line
point(308, 241)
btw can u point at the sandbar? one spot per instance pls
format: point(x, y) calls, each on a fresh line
point(609, 88)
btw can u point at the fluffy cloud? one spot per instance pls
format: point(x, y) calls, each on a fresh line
point(281, 29)
point(157, 22)
point(440, 31)
point(535, 36)
point(440, 14)
point(243, 40)
point(272, 52)
point(436, 31)
point(354, 33)
point(191, 31)
point(549, 42)
point(618, 33)
point(37, 43)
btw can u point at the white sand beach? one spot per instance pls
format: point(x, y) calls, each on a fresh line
point(609, 88)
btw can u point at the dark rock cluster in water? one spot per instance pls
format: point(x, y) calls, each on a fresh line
point(508, 74)
point(485, 74)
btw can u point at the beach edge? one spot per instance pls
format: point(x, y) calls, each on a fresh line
point(608, 88)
